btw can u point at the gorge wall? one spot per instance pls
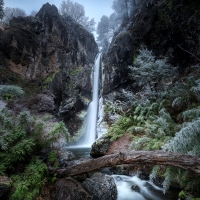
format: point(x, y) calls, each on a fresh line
point(170, 28)
point(51, 52)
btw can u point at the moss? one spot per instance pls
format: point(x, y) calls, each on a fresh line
point(182, 195)
point(50, 78)
point(75, 72)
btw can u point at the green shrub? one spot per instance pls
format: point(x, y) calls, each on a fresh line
point(52, 159)
point(10, 92)
point(28, 184)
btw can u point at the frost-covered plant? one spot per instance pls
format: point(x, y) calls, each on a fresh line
point(115, 107)
point(186, 140)
point(186, 92)
point(162, 125)
point(191, 113)
point(10, 91)
point(147, 71)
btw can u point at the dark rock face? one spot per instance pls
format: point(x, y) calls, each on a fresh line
point(69, 189)
point(100, 147)
point(5, 186)
point(101, 187)
point(169, 28)
point(53, 52)
point(43, 102)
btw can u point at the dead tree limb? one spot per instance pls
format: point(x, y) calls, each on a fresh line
point(182, 161)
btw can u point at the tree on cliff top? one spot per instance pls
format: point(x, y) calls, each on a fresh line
point(1, 9)
point(12, 12)
point(77, 12)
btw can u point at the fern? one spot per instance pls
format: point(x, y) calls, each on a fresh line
point(169, 176)
point(154, 173)
point(191, 114)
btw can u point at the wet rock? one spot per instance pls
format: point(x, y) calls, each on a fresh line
point(101, 187)
point(70, 189)
point(65, 156)
point(5, 186)
point(119, 178)
point(100, 147)
point(135, 188)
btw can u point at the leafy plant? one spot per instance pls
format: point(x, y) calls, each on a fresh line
point(118, 129)
point(186, 140)
point(57, 130)
point(10, 92)
point(147, 71)
point(28, 184)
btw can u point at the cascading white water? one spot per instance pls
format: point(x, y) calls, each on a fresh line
point(91, 118)
point(125, 192)
point(133, 188)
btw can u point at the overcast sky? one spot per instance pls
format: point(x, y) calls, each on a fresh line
point(93, 8)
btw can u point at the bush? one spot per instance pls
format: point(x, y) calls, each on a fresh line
point(28, 184)
point(10, 92)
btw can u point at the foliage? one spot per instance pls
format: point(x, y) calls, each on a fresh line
point(103, 32)
point(10, 91)
point(119, 128)
point(76, 71)
point(28, 184)
point(148, 143)
point(33, 13)
point(20, 137)
point(186, 92)
point(50, 79)
point(124, 9)
point(12, 12)
point(148, 72)
point(52, 159)
point(169, 176)
point(77, 12)
point(57, 130)
point(1, 9)
point(186, 140)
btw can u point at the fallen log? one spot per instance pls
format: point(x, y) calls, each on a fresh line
point(182, 161)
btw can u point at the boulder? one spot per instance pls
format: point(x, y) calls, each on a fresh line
point(69, 189)
point(42, 103)
point(100, 147)
point(101, 187)
point(65, 156)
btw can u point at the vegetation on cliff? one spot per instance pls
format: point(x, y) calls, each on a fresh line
point(163, 114)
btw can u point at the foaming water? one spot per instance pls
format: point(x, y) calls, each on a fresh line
point(133, 188)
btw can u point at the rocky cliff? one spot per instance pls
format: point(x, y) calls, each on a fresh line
point(170, 28)
point(51, 52)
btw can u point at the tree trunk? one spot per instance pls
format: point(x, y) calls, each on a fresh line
point(182, 161)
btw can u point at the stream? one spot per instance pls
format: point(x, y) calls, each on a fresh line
point(130, 187)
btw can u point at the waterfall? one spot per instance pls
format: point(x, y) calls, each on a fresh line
point(91, 119)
